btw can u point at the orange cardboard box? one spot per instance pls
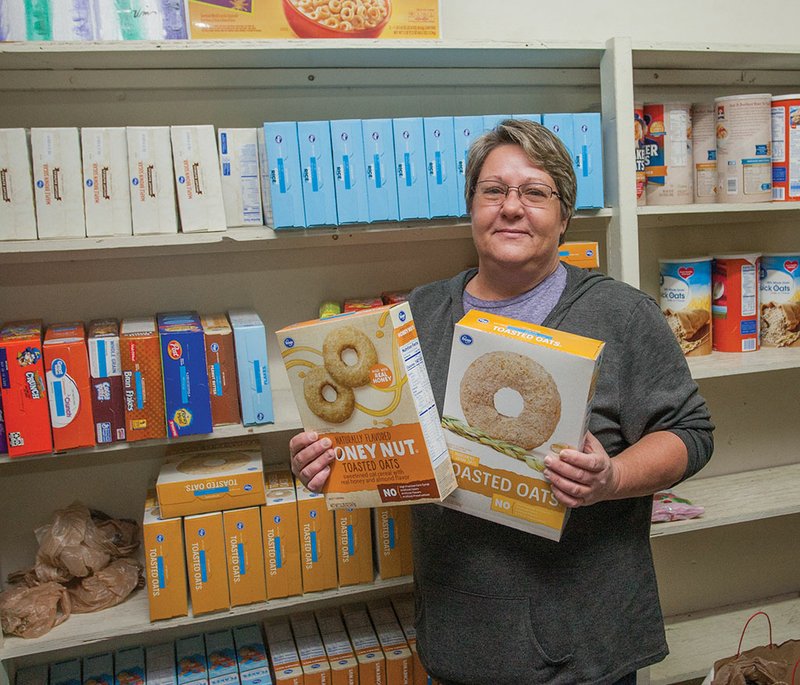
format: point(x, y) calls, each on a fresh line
point(371, 661)
point(165, 562)
point(66, 359)
point(392, 529)
point(245, 553)
point(344, 665)
point(313, 659)
point(317, 545)
point(221, 362)
point(399, 661)
point(142, 379)
point(23, 388)
point(205, 560)
point(404, 609)
point(280, 531)
point(354, 546)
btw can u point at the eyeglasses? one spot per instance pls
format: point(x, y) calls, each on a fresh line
point(530, 194)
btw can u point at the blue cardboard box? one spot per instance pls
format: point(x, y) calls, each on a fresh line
point(440, 163)
point(250, 341)
point(183, 357)
point(349, 171)
point(409, 154)
point(316, 164)
point(381, 179)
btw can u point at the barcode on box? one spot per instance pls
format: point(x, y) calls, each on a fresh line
point(733, 186)
point(748, 345)
point(777, 193)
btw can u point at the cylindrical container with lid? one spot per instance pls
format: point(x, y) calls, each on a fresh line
point(685, 296)
point(668, 141)
point(786, 148)
point(639, 129)
point(744, 148)
point(704, 152)
point(779, 291)
point(734, 303)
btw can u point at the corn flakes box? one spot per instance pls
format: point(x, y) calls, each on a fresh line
point(360, 380)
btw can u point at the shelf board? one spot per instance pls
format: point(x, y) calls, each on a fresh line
point(706, 56)
point(246, 54)
point(697, 640)
point(719, 364)
point(248, 239)
point(132, 618)
point(737, 498)
point(672, 215)
point(286, 419)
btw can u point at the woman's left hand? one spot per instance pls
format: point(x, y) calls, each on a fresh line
point(581, 478)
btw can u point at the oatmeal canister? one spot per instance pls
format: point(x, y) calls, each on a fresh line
point(704, 152)
point(786, 148)
point(686, 302)
point(779, 290)
point(734, 304)
point(744, 141)
point(668, 153)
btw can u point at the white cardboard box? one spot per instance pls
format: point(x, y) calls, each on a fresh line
point(241, 184)
point(515, 393)
point(58, 182)
point(17, 216)
point(152, 184)
point(106, 194)
point(194, 155)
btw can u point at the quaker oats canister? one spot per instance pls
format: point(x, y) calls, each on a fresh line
point(744, 142)
point(668, 153)
point(704, 152)
point(686, 302)
point(779, 289)
point(734, 303)
point(786, 148)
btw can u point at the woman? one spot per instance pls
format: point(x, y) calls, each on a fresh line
point(496, 605)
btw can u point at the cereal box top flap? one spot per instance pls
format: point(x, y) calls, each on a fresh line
point(65, 332)
point(202, 466)
point(143, 325)
point(104, 328)
point(245, 318)
point(215, 324)
point(334, 320)
point(21, 330)
point(535, 335)
point(178, 322)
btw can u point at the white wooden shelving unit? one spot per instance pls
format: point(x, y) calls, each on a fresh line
point(750, 489)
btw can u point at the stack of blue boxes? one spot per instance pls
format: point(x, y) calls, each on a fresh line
point(354, 171)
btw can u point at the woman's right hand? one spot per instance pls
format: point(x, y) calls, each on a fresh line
point(311, 458)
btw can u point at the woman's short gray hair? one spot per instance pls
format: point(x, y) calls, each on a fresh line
point(542, 147)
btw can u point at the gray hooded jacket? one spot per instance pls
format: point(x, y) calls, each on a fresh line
point(496, 605)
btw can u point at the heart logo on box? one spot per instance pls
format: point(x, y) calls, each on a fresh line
point(791, 265)
point(686, 272)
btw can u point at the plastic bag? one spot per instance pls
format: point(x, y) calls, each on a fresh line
point(33, 611)
point(106, 588)
point(120, 536)
point(667, 506)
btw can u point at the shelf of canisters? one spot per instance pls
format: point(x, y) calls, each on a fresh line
point(286, 419)
point(737, 498)
point(132, 618)
point(719, 364)
point(699, 639)
point(258, 237)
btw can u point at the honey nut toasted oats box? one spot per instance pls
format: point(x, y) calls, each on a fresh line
point(515, 393)
point(360, 380)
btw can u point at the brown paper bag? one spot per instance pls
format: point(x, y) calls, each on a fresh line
point(768, 664)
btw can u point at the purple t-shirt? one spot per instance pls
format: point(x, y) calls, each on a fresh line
point(532, 306)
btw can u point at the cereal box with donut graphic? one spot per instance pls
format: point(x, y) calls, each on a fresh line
point(23, 389)
point(360, 380)
point(209, 476)
point(516, 393)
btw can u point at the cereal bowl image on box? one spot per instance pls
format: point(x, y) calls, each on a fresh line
point(352, 19)
point(360, 379)
point(515, 393)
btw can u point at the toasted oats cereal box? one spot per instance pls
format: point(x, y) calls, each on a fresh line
point(360, 380)
point(515, 393)
point(392, 531)
point(211, 476)
point(204, 539)
point(279, 528)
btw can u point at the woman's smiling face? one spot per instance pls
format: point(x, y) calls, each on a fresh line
point(513, 234)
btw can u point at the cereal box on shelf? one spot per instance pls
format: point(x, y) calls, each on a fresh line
point(251, 655)
point(17, 216)
point(23, 389)
point(142, 379)
point(252, 369)
point(360, 380)
point(216, 475)
point(245, 553)
point(515, 393)
point(279, 528)
point(221, 363)
point(205, 562)
point(105, 365)
point(66, 359)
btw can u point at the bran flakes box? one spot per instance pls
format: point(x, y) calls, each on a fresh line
point(142, 379)
point(515, 392)
point(360, 380)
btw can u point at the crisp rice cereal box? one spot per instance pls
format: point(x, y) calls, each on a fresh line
point(360, 380)
point(515, 393)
